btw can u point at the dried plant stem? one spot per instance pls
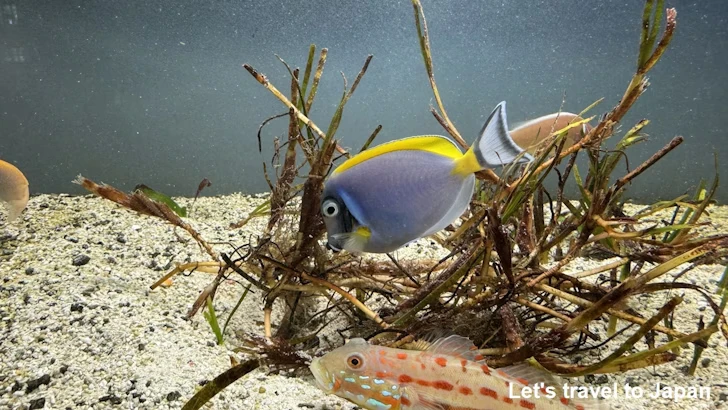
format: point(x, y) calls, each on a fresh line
point(262, 79)
point(267, 311)
point(435, 287)
point(614, 312)
point(511, 328)
point(541, 308)
point(634, 90)
point(307, 72)
point(424, 38)
point(602, 268)
point(209, 267)
point(624, 347)
point(317, 78)
point(651, 161)
point(336, 119)
point(371, 138)
point(141, 203)
point(321, 282)
point(348, 296)
point(691, 338)
point(219, 383)
point(281, 192)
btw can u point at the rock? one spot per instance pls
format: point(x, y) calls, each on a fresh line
point(33, 384)
point(77, 307)
point(110, 398)
point(172, 396)
point(37, 403)
point(30, 271)
point(80, 259)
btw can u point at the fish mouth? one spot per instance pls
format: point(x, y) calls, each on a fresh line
point(324, 380)
point(332, 248)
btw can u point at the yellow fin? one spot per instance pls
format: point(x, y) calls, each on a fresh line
point(354, 241)
point(364, 232)
point(430, 143)
point(467, 164)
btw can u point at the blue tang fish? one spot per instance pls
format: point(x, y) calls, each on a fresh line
point(400, 191)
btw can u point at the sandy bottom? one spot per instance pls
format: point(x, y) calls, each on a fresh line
point(80, 328)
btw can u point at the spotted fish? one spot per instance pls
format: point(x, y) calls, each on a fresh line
point(450, 375)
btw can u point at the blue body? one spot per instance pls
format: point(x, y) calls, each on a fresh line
point(410, 188)
point(400, 195)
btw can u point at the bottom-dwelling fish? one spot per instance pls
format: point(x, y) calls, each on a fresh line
point(13, 189)
point(449, 375)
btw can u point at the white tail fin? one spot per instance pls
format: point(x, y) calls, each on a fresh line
point(495, 147)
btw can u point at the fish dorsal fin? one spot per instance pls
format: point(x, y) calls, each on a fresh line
point(527, 374)
point(357, 341)
point(435, 144)
point(455, 345)
point(532, 374)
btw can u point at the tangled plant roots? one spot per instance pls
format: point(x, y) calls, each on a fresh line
point(497, 285)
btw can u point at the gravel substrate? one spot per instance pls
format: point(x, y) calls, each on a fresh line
point(80, 328)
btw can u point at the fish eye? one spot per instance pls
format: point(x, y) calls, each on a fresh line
point(355, 361)
point(330, 208)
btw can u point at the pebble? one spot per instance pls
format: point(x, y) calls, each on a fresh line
point(80, 260)
point(35, 383)
point(113, 399)
point(172, 396)
point(37, 404)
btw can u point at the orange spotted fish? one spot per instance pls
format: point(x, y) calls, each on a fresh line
point(450, 375)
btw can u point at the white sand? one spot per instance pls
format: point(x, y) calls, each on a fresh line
point(96, 337)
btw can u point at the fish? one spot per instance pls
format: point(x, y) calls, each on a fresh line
point(397, 192)
point(530, 134)
point(13, 189)
point(449, 375)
